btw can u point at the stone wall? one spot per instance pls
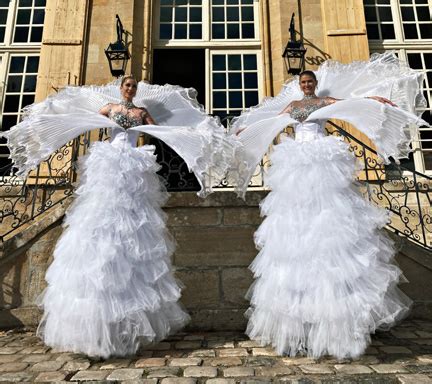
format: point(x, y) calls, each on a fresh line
point(214, 248)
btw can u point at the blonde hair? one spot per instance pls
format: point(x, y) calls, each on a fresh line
point(127, 77)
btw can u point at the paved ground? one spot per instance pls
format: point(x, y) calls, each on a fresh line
point(403, 355)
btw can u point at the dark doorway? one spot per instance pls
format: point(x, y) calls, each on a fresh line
point(184, 67)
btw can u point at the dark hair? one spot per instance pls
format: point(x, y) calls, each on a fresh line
point(308, 73)
point(127, 77)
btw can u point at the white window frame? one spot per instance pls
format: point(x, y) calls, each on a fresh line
point(209, 71)
point(402, 48)
point(206, 31)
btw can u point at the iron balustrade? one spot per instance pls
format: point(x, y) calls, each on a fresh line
point(404, 192)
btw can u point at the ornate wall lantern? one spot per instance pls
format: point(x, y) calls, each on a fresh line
point(117, 53)
point(294, 53)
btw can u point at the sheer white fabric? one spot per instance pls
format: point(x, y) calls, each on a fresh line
point(324, 277)
point(74, 110)
point(110, 285)
point(388, 127)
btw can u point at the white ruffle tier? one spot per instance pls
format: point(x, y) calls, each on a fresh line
point(110, 286)
point(324, 277)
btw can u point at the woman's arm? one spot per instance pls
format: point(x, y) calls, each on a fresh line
point(383, 100)
point(147, 118)
point(105, 110)
point(287, 109)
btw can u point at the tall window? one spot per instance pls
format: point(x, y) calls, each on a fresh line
point(405, 26)
point(21, 26)
point(227, 34)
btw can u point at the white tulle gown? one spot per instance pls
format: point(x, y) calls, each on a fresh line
point(110, 285)
point(324, 276)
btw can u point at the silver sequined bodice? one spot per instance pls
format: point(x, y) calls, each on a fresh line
point(305, 108)
point(124, 120)
point(308, 130)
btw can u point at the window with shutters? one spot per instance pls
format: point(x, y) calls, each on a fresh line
point(21, 26)
point(405, 26)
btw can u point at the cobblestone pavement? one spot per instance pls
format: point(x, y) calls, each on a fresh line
point(403, 355)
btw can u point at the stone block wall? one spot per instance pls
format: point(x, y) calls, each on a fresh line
point(214, 249)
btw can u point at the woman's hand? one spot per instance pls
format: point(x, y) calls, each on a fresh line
point(382, 100)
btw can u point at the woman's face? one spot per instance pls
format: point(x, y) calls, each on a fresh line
point(308, 84)
point(129, 89)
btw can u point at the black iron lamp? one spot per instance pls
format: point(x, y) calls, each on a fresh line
point(294, 53)
point(117, 53)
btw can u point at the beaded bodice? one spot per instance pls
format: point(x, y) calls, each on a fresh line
point(125, 120)
point(301, 110)
point(126, 116)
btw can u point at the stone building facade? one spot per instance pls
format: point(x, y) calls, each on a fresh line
point(231, 52)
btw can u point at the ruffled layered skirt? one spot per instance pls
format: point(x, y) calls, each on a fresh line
point(324, 277)
point(110, 286)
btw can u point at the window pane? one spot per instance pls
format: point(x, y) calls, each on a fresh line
point(11, 103)
point(247, 14)
point(251, 98)
point(180, 31)
point(218, 62)
point(195, 32)
point(235, 80)
point(25, 3)
point(8, 121)
point(248, 31)
point(181, 14)
point(372, 31)
point(232, 2)
point(36, 34)
point(40, 3)
point(195, 14)
point(32, 64)
point(166, 14)
point(219, 80)
point(21, 34)
point(30, 84)
point(233, 31)
point(234, 62)
point(385, 14)
point(407, 14)
point(250, 80)
point(423, 14)
point(218, 31)
point(410, 31)
point(233, 14)
point(426, 31)
point(38, 16)
point(181, 2)
point(27, 100)
point(370, 14)
point(217, 2)
point(219, 99)
point(387, 31)
point(428, 63)
point(414, 60)
point(23, 16)
point(14, 84)
point(218, 14)
point(165, 31)
point(17, 65)
point(3, 16)
point(2, 34)
point(166, 2)
point(235, 100)
point(250, 62)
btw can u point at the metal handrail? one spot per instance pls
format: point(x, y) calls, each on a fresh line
point(404, 192)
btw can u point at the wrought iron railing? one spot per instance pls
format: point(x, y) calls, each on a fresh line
point(406, 193)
